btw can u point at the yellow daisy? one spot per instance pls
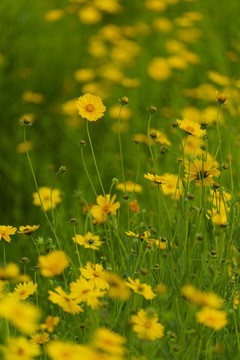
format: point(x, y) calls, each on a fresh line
point(90, 107)
point(191, 128)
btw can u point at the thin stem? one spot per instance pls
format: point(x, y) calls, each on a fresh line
point(120, 147)
point(86, 170)
point(4, 254)
point(94, 159)
point(149, 144)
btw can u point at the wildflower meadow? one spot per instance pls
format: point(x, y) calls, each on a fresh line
point(120, 184)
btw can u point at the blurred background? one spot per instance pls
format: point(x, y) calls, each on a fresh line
point(172, 54)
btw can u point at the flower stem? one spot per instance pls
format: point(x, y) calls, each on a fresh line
point(94, 159)
point(120, 147)
point(86, 170)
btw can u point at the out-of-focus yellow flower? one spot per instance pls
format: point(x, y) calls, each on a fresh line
point(54, 15)
point(134, 206)
point(201, 172)
point(53, 263)
point(22, 315)
point(90, 107)
point(118, 288)
point(162, 24)
point(130, 187)
point(50, 198)
point(146, 325)
point(24, 290)
point(159, 69)
point(219, 79)
point(161, 137)
point(131, 82)
point(202, 298)
point(12, 272)
point(59, 350)
point(50, 323)
point(32, 97)
point(89, 15)
point(40, 338)
point(20, 348)
point(157, 179)
point(126, 113)
point(84, 75)
point(212, 318)
point(142, 289)
point(156, 5)
point(110, 342)
point(177, 62)
point(21, 147)
point(108, 6)
point(66, 301)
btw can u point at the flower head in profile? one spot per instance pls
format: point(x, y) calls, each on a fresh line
point(146, 325)
point(105, 207)
point(215, 319)
point(5, 231)
point(191, 128)
point(28, 230)
point(53, 263)
point(156, 179)
point(221, 98)
point(201, 172)
point(90, 107)
point(50, 198)
point(130, 187)
point(118, 288)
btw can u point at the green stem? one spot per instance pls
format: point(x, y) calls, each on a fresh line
point(149, 145)
point(94, 159)
point(86, 170)
point(120, 147)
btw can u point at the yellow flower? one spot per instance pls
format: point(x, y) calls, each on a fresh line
point(173, 187)
point(212, 318)
point(142, 289)
point(191, 128)
point(125, 112)
point(21, 147)
point(50, 323)
point(53, 263)
point(221, 98)
point(157, 179)
point(146, 325)
point(118, 288)
point(12, 272)
point(218, 216)
point(130, 187)
point(32, 97)
point(201, 171)
point(159, 69)
point(84, 75)
point(59, 350)
point(161, 137)
point(22, 315)
point(90, 107)
point(89, 241)
point(83, 291)
point(89, 15)
point(54, 15)
point(131, 233)
point(95, 274)
point(202, 298)
point(67, 302)
point(40, 338)
point(19, 348)
point(109, 342)
point(22, 291)
point(105, 207)
point(49, 201)
point(28, 230)
point(5, 231)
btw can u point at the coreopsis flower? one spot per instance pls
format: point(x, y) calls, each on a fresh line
point(89, 241)
point(156, 179)
point(90, 107)
point(159, 69)
point(146, 325)
point(130, 187)
point(66, 301)
point(191, 128)
point(212, 318)
point(96, 275)
point(12, 273)
point(236, 300)
point(221, 98)
point(160, 137)
point(53, 263)
point(20, 348)
point(142, 289)
point(134, 206)
point(202, 298)
point(118, 288)
point(161, 289)
point(105, 207)
point(173, 187)
point(22, 315)
point(131, 233)
point(32, 97)
point(50, 198)
point(84, 291)
point(59, 350)
point(28, 230)
point(50, 323)
point(200, 171)
point(5, 231)
point(40, 338)
point(24, 290)
point(218, 216)
point(109, 342)
point(53, 15)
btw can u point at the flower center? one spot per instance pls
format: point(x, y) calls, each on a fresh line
point(90, 108)
point(148, 324)
point(189, 129)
